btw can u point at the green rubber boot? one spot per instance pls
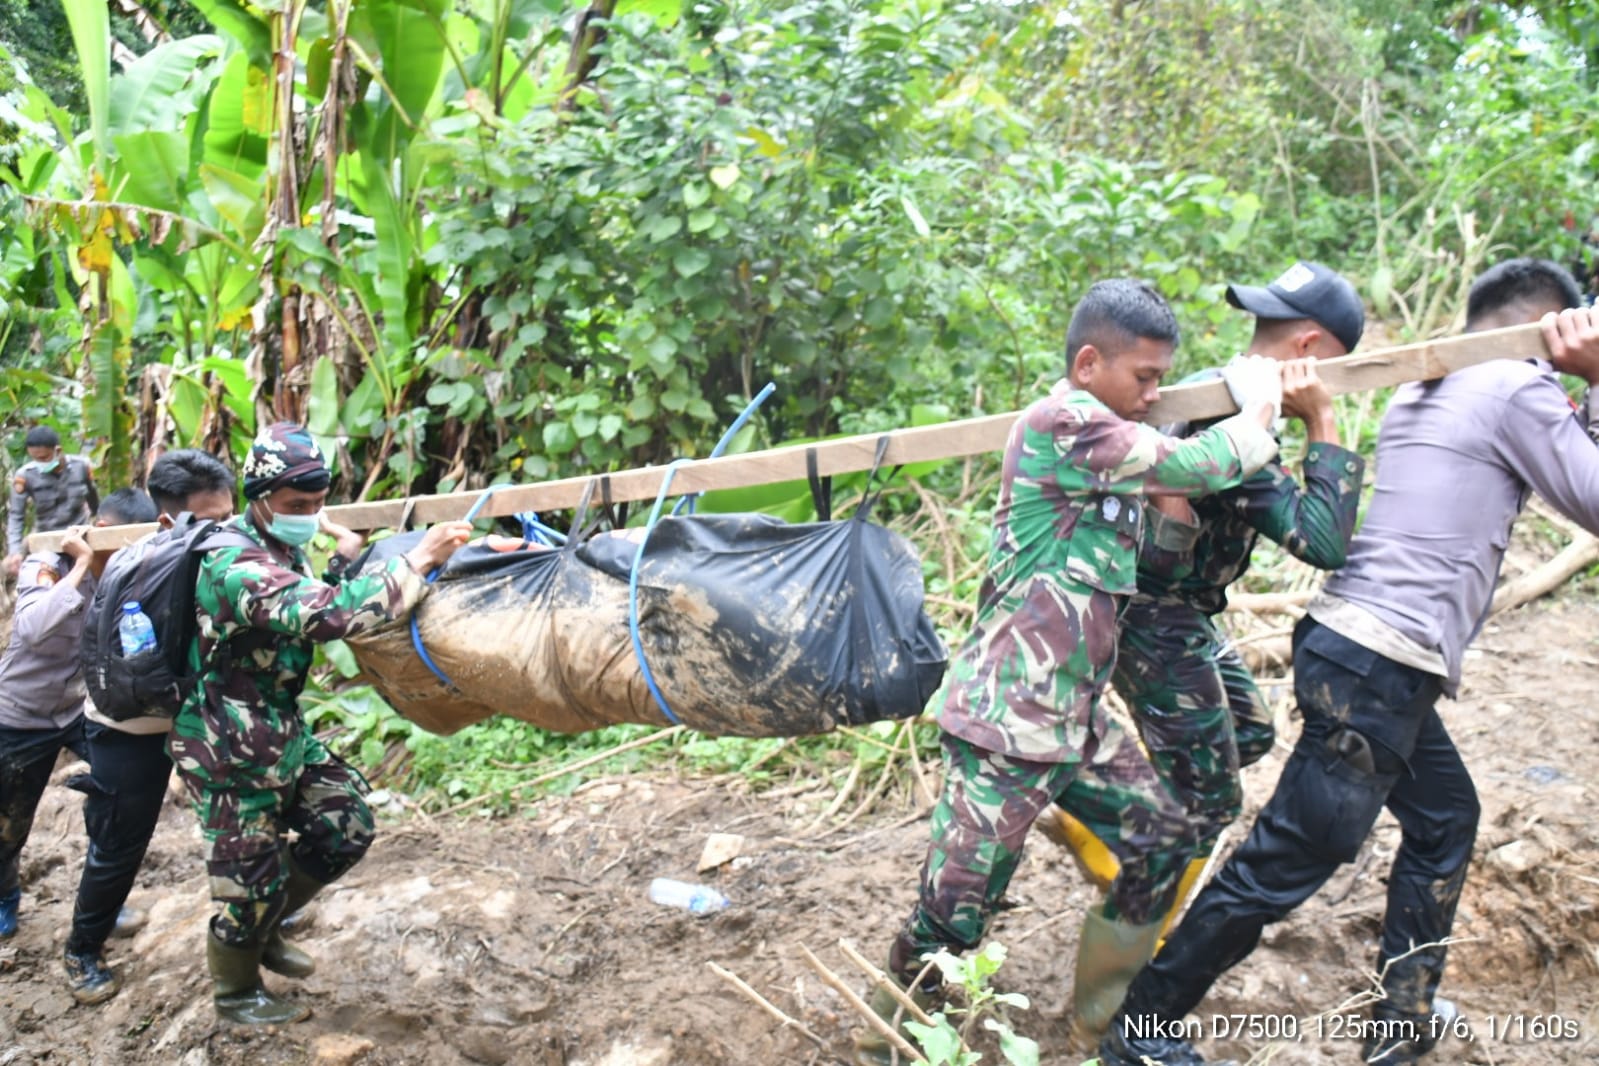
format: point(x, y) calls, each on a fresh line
point(237, 991)
point(1109, 956)
point(872, 1048)
point(277, 954)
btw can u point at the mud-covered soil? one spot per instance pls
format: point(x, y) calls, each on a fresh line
point(531, 940)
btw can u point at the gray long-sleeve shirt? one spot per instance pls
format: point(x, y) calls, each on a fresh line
point(41, 683)
point(62, 497)
point(1455, 461)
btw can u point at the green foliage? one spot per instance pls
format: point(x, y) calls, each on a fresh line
point(491, 268)
point(944, 1043)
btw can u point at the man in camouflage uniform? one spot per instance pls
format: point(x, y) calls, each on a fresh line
point(60, 486)
point(1196, 706)
point(1379, 645)
point(247, 759)
point(1020, 708)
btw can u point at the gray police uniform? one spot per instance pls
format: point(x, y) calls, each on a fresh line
point(62, 497)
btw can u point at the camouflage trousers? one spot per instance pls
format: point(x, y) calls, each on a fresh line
point(245, 831)
point(1197, 709)
point(990, 802)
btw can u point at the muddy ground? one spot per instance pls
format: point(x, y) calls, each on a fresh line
point(531, 940)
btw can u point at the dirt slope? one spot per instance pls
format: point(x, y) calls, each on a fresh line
point(531, 940)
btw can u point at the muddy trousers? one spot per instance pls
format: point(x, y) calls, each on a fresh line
point(27, 758)
point(125, 791)
point(244, 831)
point(990, 802)
point(1196, 707)
point(1372, 738)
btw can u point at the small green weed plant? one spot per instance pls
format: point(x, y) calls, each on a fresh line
point(947, 1041)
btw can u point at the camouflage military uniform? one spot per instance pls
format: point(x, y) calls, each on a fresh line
point(1020, 706)
point(62, 497)
point(245, 755)
point(1196, 706)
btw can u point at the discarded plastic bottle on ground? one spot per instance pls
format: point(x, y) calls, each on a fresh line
point(135, 630)
point(696, 899)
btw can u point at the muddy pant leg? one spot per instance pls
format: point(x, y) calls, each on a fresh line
point(331, 816)
point(1253, 729)
point(1118, 795)
point(124, 797)
point(1362, 715)
point(978, 827)
point(1437, 809)
point(1168, 676)
point(244, 840)
point(27, 757)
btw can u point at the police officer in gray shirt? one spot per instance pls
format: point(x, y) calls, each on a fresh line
point(41, 682)
point(60, 486)
point(1371, 658)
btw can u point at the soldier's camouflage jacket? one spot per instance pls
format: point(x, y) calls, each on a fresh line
point(242, 725)
point(1063, 560)
point(1191, 566)
point(62, 497)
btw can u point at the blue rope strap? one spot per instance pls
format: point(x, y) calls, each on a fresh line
point(416, 635)
point(649, 526)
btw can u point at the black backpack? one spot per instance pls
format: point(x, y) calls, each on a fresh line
point(159, 572)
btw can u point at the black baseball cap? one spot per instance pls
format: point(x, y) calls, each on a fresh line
point(42, 437)
point(1307, 290)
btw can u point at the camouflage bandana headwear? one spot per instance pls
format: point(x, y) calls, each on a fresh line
point(284, 454)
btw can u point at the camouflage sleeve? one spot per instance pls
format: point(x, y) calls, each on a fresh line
point(1589, 414)
point(1167, 547)
point(253, 590)
point(1101, 453)
point(15, 513)
point(1315, 522)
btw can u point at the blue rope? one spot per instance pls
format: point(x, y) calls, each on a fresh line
point(649, 526)
point(632, 592)
point(416, 635)
point(727, 438)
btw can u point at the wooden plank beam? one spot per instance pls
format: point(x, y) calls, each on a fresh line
point(950, 440)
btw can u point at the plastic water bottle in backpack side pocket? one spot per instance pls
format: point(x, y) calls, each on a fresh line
point(696, 899)
point(134, 630)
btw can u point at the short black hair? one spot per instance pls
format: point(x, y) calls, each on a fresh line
point(1116, 314)
point(178, 475)
point(127, 507)
point(1521, 281)
point(43, 437)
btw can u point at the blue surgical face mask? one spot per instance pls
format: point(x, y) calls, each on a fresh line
point(46, 468)
point(296, 529)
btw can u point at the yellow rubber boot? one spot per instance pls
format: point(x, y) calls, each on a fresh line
point(1109, 955)
point(1090, 854)
point(1185, 888)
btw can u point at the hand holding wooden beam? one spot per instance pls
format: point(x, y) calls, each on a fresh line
point(1359, 372)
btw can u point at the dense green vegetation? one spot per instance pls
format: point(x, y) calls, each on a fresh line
point(517, 239)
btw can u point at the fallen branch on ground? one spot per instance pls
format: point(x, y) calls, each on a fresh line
point(765, 1004)
point(860, 1006)
point(1581, 553)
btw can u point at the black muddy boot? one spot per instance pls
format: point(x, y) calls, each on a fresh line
point(1119, 1049)
point(1396, 1037)
point(236, 988)
point(90, 979)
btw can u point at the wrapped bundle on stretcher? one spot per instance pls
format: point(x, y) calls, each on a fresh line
point(749, 626)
